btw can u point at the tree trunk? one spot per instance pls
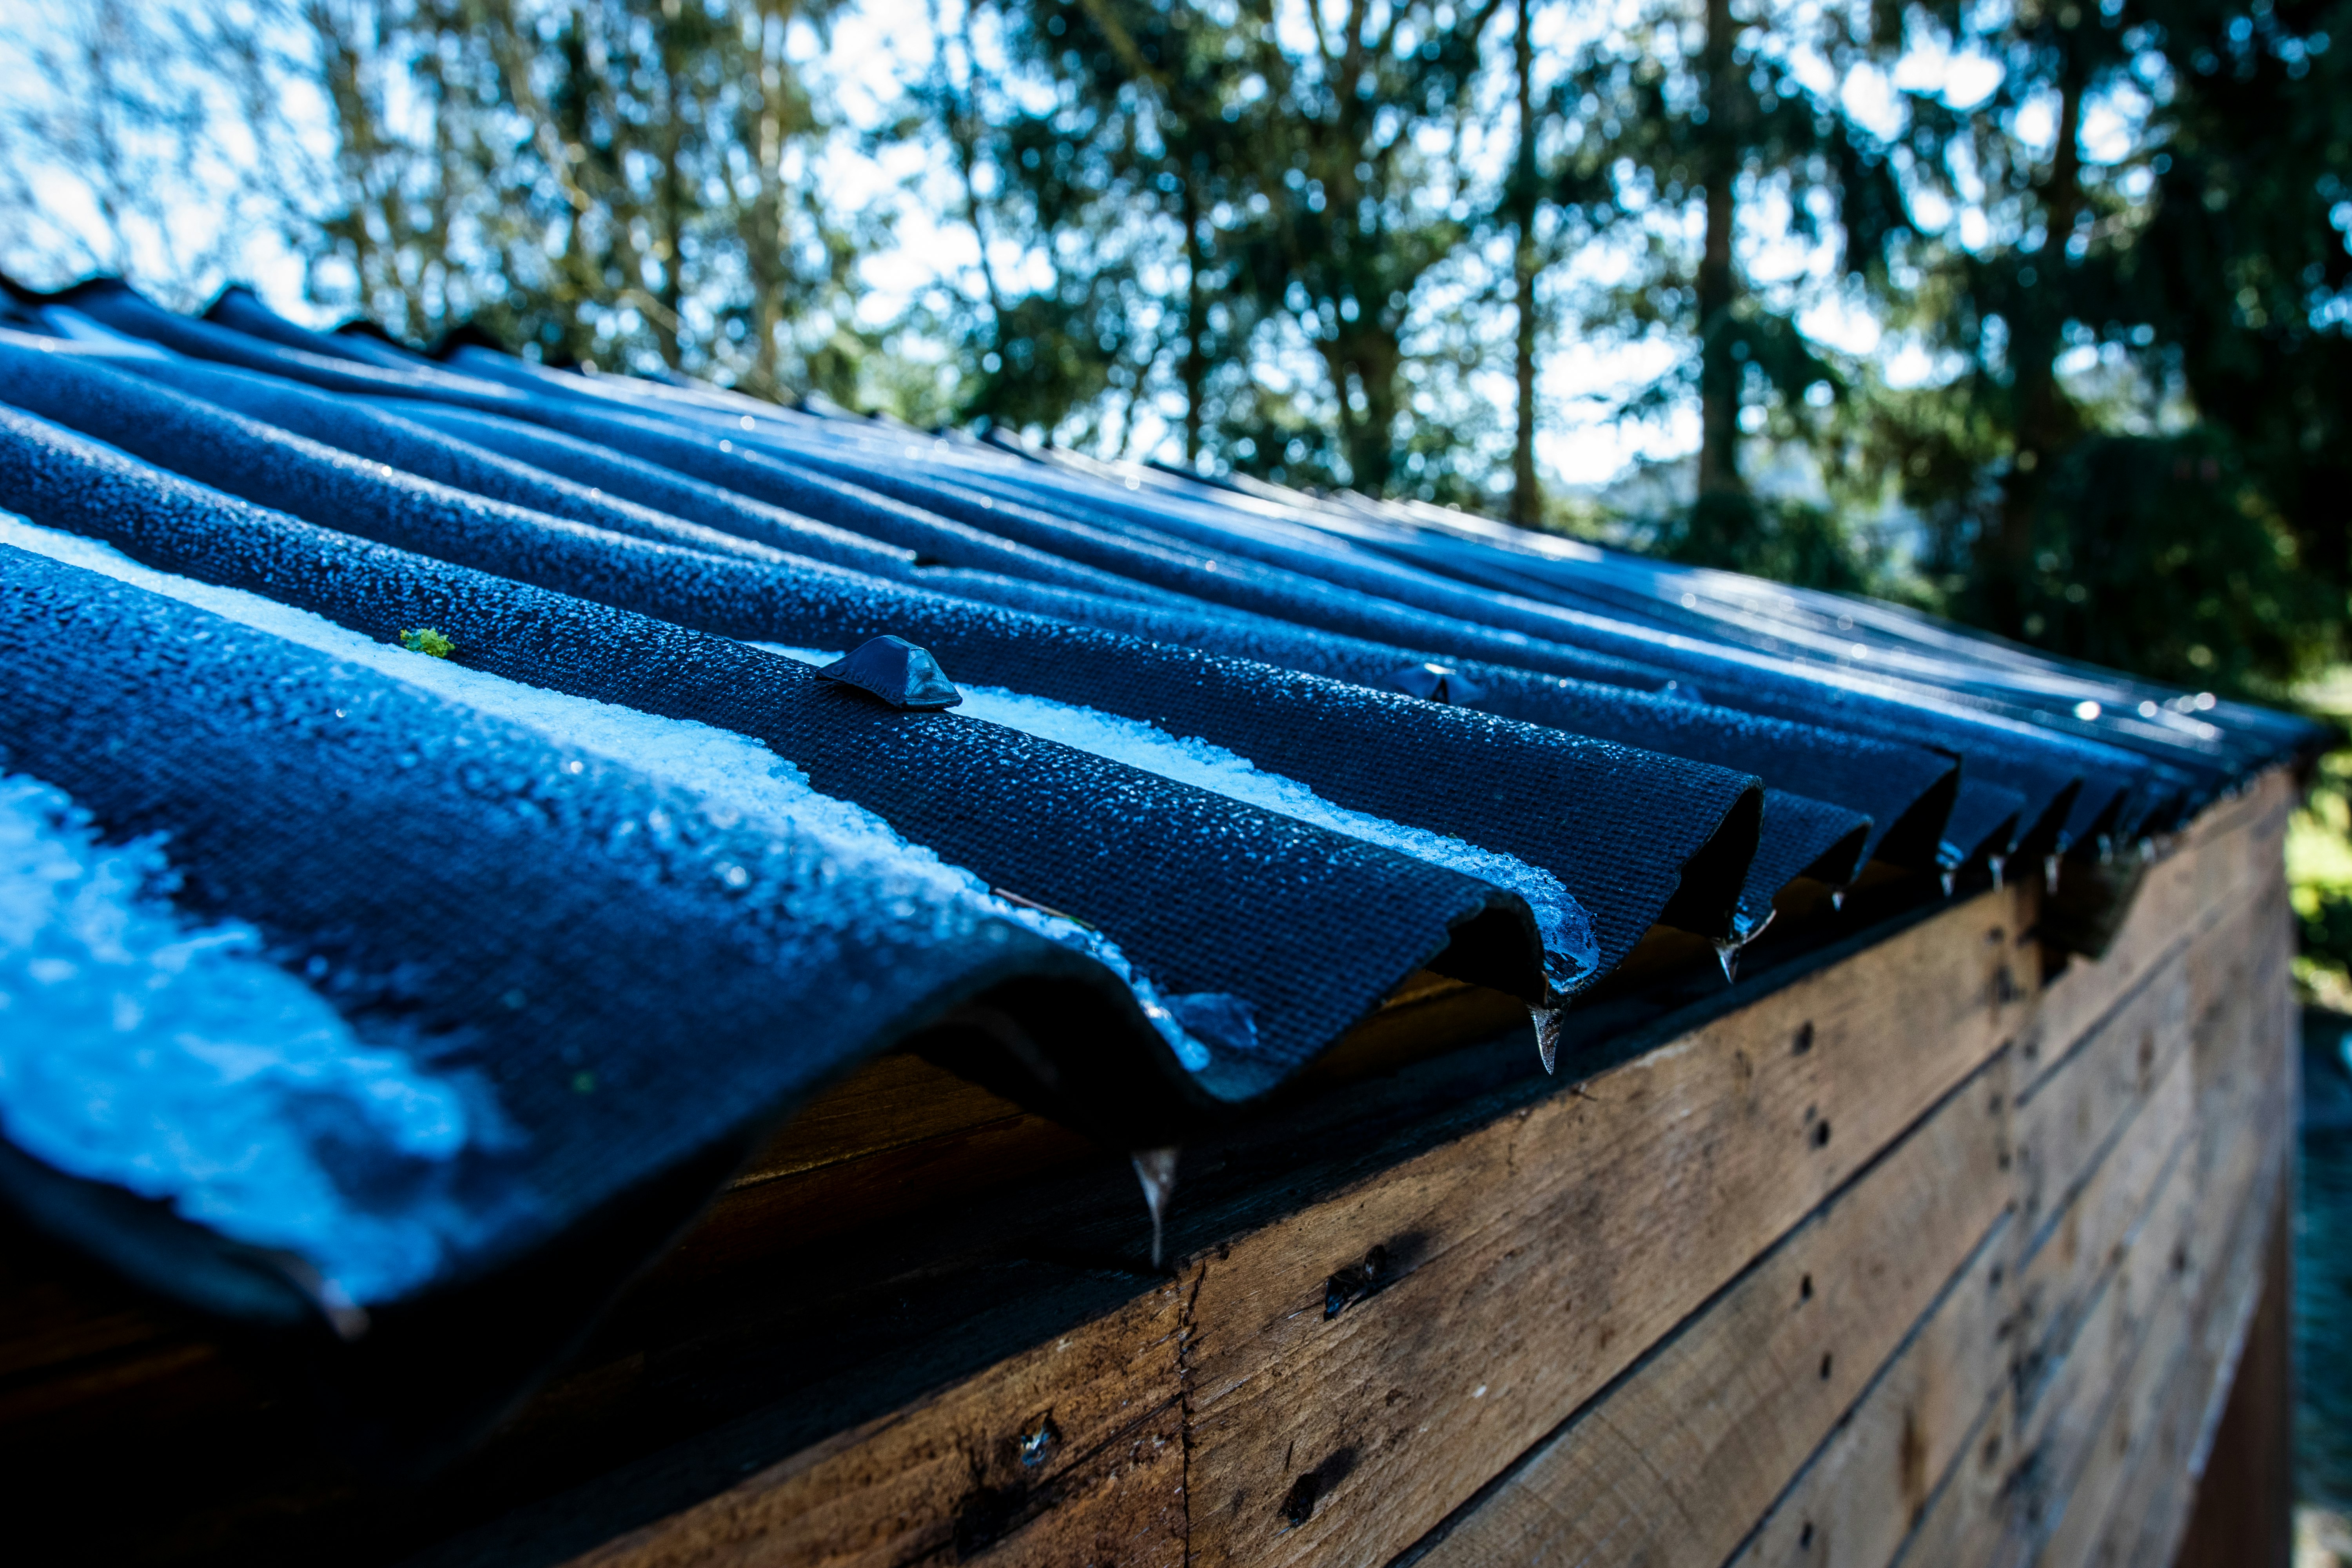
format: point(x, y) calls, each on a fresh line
point(1367, 361)
point(2042, 416)
point(1718, 369)
point(1195, 367)
point(1527, 499)
point(764, 243)
point(669, 229)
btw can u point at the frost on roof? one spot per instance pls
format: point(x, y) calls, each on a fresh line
point(1571, 948)
point(737, 779)
point(169, 1058)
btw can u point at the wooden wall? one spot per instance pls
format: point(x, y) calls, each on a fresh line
point(1931, 1257)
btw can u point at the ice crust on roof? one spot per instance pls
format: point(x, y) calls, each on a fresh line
point(736, 778)
point(1571, 948)
point(169, 1058)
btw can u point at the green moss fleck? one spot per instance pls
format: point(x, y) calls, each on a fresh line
point(425, 641)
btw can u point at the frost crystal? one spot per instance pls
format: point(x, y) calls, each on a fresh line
point(139, 1050)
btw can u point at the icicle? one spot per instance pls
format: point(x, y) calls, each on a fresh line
point(1837, 900)
point(1743, 932)
point(1949, 878)
point(2050, 873)
point(1999, 863)
point(1156, 1169)
point(1547, 1022)
point(345, 1316)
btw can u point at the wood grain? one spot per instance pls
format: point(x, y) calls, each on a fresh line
point(1332, 1384)
point(1533, 1259)
point(2133, 1492)
point(1072, 1449)
point(1675, 1462)
point(1856, 1502)
point(2095, 1137)
point(2028, 1451)
point(2243, 1516)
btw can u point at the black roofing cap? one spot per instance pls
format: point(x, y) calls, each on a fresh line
point(900, 673)
point(1439, 683)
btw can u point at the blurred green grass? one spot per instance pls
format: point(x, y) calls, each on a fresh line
point(2319, 875)
point(2319, 857)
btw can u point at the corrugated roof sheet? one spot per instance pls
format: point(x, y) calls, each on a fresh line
point(631, 879)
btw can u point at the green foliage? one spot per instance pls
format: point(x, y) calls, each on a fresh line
point(1226, 215)
point(1298, 242)
point(1786, 540)
point(2319, 873)
point(598, 183)
point(2325, 931)
point(2161, 554)
point(427, 641)
point(1659, 110)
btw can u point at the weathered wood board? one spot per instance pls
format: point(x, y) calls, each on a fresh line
point(1845, 1275)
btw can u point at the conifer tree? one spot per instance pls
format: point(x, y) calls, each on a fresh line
point(1302, 162)
point(1697, 114)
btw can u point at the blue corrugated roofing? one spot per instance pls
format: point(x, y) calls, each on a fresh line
point(622, 881)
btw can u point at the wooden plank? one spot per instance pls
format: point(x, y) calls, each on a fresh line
point(1869, 1487)
point(1857, 1501)
point(1670, 1468)
point(2022, 1460)
point(2167, 1380)
point(1675, 1462)
point(859, 1191)
point(2040, 1429)
point(2067, 1115)
point(1523, 1264)
point(2067, 1123)
point(789, 1513)
point(2222, 857)
point(2158, 1442)
point(2135, 1482)
point(877, 1144)
point(2067, 1118)
point(1071, 1453)
point(2243, 1512)
point(1533, 1259)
